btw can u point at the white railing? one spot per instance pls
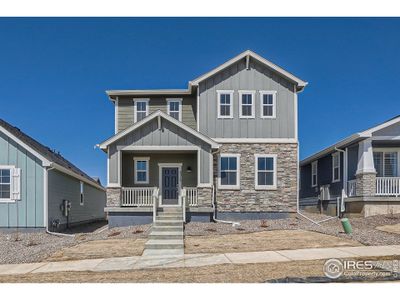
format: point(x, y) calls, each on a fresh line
point(183, 197)
point(191, 196)
point(137, 196)
point(156, 196)
point(351, 188)
point(388, 186)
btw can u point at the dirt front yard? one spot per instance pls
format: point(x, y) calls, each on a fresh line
point(264, 241)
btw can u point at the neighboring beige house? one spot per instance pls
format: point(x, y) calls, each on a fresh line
point(227, 144)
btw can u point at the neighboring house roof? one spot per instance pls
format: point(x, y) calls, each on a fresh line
point(48, 157)
point(150, 117)
point(248, 53)
point(350, 140)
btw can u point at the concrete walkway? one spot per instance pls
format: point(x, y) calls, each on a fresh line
point(198, 260)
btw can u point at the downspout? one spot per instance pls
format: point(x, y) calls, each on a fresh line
point(345, 178)
point(214, 199)
point(46, 199)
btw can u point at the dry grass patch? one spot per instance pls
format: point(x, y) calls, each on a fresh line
point(101, 249)
point(263, 241)
point(210, 274)
point(395, 228)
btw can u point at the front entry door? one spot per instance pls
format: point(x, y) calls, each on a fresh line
point(170, 186)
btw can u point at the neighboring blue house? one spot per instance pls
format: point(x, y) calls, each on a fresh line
point(363, 170)
point(41, 189)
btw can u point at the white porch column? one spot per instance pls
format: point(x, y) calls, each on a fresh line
point(365, 157)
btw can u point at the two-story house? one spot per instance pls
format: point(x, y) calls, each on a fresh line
point(227, 144)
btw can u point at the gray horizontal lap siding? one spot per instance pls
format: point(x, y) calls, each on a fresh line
point(258, 78)
point(29, 211)
point(187, 160)
point(64, 187)
point(324, 177)
point(170, 135)
point(126, 109)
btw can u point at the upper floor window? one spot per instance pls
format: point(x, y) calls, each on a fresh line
point(5, 183)
point(141, 170)
point(82, 199)
point(314, 173)
point(229, 171)
point(175, 108)
point(141, 109)
point(225, 99)
point(246, 104)
point(268, 104)
point(386, 163)
point(336, 167)
point(265, 167)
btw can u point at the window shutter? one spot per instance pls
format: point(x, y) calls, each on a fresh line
point(16, 184)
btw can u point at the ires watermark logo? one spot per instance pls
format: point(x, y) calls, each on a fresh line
point(334, 268)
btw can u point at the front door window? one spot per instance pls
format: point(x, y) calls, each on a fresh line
point(170, 186)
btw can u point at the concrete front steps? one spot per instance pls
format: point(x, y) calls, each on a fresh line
point(166, 236)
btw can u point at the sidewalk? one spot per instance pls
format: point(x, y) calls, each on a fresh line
point(198, 260)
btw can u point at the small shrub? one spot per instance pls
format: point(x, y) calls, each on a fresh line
point(16, 238)
point(240, 229)
point(211, 229)
point(115, 233)
point(32, 243)
point(264, 224)
point(136, 231)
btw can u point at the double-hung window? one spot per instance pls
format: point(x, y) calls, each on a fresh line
point(246, 104)
point(5, 184)
point(175, 108)
point(386, 163)
point(268, 104)
point(265, 167)
point(82, 199)
point(336, 167)
point(141, 170)
point(229, 171)
point(225, 99)
point(141, 109)
point(314, 173)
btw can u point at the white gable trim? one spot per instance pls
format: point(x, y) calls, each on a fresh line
point(370, 131)
point(150, 117)
point(249, 53)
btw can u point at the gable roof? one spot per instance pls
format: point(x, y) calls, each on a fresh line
point(150, 117)
point(356, 137)
point(48, 157)
point(248, 53)
point(300, 84)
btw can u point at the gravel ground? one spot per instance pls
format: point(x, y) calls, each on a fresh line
point(30, 247)
point(364, 229)
point(37, 246)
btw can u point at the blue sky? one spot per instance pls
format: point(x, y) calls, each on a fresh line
point(54, 71)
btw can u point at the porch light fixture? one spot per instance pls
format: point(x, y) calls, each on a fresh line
point(189, 169)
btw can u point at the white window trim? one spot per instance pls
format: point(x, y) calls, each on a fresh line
point(252, 93)
point(388, 150)
point(8, 200)
point(180, 106)
point(81, 193)
point(135, 101)
point(219, 93)
point(316, 173)
point(265, 187)
point(147, 160)
point(229, 187)
point(336, 154)
point(273, 93)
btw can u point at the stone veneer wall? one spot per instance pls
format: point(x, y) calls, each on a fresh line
point(113, 197)
point(247, 199)
point(366, 184)
point(204, 196)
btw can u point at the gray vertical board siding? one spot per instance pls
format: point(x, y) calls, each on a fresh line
point(64, 187)
point(392, 130)
point(27, 212)
point(324, 177)
point(169, 135)
point(113, 164)
point(126, 109)
point(258, 78)
point(352, 161)
point(187, 160)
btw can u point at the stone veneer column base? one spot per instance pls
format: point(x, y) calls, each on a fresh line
point(366, 184)
point(247, 198)
point(204, 196)
point(113, 197)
